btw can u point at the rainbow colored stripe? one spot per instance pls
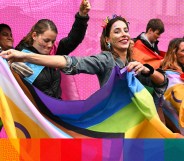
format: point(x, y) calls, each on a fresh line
point(118, 113)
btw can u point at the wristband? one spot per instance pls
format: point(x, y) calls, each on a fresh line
point(150, 72)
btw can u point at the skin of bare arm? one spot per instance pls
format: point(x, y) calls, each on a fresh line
point(58, 61)
point(45, 60)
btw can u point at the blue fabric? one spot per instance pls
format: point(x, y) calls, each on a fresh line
point(36, 69)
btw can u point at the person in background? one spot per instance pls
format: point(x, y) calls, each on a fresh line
point(6, 37)
point(115, 46)
point(6, 42)
point(174, 58)
point(41, 39)
point(173, 65)
point(146, 44)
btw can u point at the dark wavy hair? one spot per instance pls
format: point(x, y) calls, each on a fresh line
point(106, 33)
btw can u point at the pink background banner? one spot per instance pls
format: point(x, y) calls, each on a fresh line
point(21, 15)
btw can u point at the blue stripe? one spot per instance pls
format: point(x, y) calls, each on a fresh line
point(115, 101)
point(113, 96)
point(143, 150)
point(171, 117)
point(171, 72)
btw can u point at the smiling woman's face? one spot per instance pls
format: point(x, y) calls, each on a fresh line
point(119, 36)
point(6, 39)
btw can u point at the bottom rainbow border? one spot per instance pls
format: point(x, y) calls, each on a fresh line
point(91, 149)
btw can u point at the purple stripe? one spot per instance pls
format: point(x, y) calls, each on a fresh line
point(112, 149)
point(23, 129)
point(175, 99)
point(55, 104)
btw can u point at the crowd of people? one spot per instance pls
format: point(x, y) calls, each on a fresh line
point(118, 48)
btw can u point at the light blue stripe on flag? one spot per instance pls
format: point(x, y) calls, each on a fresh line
point(36, 69)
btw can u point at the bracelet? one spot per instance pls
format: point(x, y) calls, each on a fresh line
point(150, 72)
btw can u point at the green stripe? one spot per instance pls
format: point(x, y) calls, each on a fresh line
point(144, 101)
point(129, 116)
point(1, 124)
point(173, 150)
point(121, 121)
point(150, 89)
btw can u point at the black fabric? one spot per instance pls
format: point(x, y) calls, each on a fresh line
point(49, 79)
point(150, 72)
point(75, 36)
point(182, 67)
point(1, 125)
point(147, 44)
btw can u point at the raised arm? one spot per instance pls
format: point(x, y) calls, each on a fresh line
point(78, 31)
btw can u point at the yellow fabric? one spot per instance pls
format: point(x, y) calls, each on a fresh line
point(6, 116)
point(9, 113)
point(178, 94)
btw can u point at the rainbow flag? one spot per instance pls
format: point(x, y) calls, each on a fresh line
point(145, 55)
point(173, 105)
point(122, 108)
point(115, 149)
point(34, 123)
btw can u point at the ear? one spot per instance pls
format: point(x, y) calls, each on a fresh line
point(107, 40)
point(34, 35)
point(150, 30)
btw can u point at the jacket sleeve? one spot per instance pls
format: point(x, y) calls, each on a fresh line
point(75, 36)
point(95, 64)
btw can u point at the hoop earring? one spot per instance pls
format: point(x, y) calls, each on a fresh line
point(109, 45)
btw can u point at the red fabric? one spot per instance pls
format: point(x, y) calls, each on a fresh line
point(144, 55)
point(162, 53)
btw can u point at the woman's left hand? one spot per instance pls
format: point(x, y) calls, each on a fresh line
point(84, 7)
point(137, 67)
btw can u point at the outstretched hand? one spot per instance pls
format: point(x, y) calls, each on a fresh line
point(84, 7)
point(13, 55)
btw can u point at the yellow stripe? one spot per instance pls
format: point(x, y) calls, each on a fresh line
point(153, 128)
point(6, 116)
point(11, 113)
